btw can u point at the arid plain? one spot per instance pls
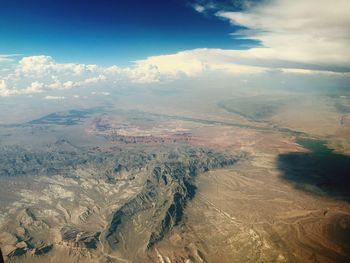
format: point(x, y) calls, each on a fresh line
point(179, 177)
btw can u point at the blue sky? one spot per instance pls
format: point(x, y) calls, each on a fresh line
point(110, 32)
point(73, 44)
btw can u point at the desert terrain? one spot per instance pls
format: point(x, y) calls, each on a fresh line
point(180, 177)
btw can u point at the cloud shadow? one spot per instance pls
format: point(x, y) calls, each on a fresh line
point(321, 171)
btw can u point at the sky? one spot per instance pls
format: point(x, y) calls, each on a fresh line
point(51, 45)
point(107, 32)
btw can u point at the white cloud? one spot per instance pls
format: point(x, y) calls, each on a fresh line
point(313, 72)
point(302, 31)
point(54, 97)
point(298, 37)
point(5, 90)
point(203, 6)
point(199, 8)
point(36, 74)
point(97, 79)
point(191, 63)
point(104, 93)
point(35, 87)
point(7, 57)
point(2, 59)
point(69, 84)
point(46, 65)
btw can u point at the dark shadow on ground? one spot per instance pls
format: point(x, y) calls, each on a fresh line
point(320, 171)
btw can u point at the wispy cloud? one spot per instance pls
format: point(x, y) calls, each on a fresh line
point(210, 6)
point(199, 8)
point(54, 97)
point(8, 57)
